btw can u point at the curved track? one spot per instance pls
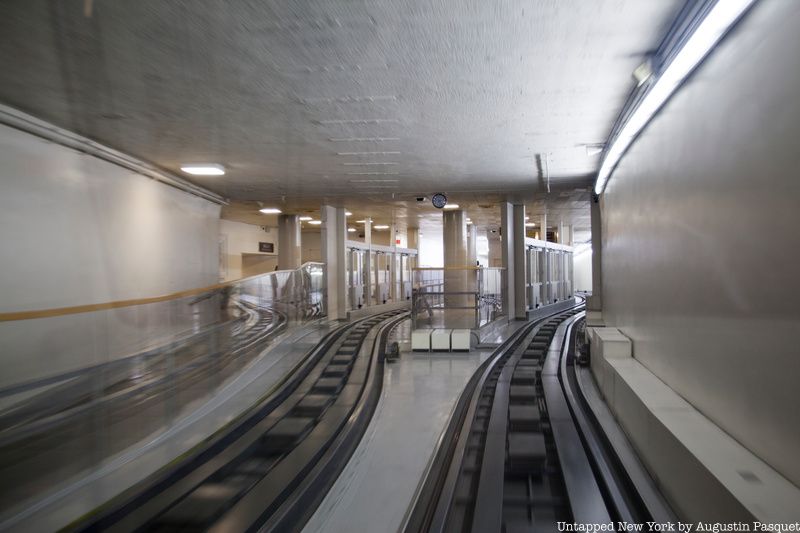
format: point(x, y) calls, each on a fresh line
point(271, 468)
point(519, 454)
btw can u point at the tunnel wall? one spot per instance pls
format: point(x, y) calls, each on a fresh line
point(701, 238)
point(78, 230)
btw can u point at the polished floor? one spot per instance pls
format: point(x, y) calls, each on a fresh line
point(377, 486)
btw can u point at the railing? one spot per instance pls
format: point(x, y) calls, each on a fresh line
point(456, 297)
point(81, 384)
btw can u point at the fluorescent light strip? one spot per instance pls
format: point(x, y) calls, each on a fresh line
point(373, 174)
point(368, 153)
point(364, 139)
point(361, 121)
point(367, 164)
point(707, 34)
point(203, 169)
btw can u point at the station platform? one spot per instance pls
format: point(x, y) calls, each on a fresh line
point(376, 488)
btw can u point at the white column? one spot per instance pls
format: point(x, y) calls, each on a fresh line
point(412, 238)
point(289, 242)
point(543, 227)
point(508, 263)
point(454, 237)
point(334, 235)
point(520, 305)
point(472, 250)
point(368, 266)
point(495, 249)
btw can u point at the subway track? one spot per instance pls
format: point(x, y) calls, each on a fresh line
point(269, 469)
point(53, 435)
point(521, 452)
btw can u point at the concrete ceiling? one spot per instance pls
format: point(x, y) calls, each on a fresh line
point(346, 101)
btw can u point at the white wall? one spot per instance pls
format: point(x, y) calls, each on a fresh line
point(76, 230)
point(701, 245)
point(582, 271)
point(237, 238)
point(431, 249)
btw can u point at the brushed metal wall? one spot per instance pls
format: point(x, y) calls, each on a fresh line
point(701, 238)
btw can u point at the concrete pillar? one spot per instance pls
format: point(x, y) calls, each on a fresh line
point(495, 249)
point(472, 246)
point(595, 302)
point(520, 304)
point(333, 236)
point(508, 263)
point(543, 227)
point(567, 234)
point(289, 242)
point(369, 275)
point(412, 238)
point(454, 237)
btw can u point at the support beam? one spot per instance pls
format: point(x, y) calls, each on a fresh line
point(368, 266)
point(334, 235)
point(454, 237)
point(289, 239)
point(507, 254)
point(412, 238)
point(520, 305)
point(472, 246)
point(595, 302)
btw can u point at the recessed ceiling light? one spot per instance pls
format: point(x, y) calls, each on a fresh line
point(351, 230)
point(347, 213)
point(305, 219)
point(315, 222)
point(203, 169)
point(361, 221)
point(451, 206)
point(270, 211)
point(381, 226)
point(530, 224)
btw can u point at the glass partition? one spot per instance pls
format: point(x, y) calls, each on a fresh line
point(81, 385)
point(463, 298)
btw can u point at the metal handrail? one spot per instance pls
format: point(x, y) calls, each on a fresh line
point(87, 308)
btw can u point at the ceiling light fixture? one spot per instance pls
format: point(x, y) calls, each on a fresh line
point(351, 230)
point(530, 224)
point(270, 211)
point(203, 169)
point(348, 213)
point(361, 221)
point(315, 222)
point(381, 226)
point(706, 35)
point(451, 206)
point(305, 219)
